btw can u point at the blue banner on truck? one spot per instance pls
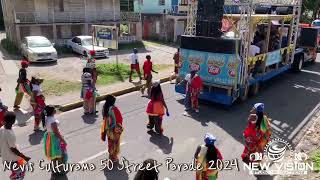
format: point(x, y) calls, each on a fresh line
point(214, 68)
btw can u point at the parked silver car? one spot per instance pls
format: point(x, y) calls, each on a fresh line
point(83, 45)
point(38, 49)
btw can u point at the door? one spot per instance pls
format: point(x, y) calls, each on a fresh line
point(42, 11)
point(180, 28)
point(146, 30)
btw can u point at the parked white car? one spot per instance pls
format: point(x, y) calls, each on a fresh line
point(83, 45)
point(38, 49)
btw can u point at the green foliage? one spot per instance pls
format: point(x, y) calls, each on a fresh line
point(59, 87)
point(137, 44)
point(316, 160)
point(10, 47)
point(124, 28)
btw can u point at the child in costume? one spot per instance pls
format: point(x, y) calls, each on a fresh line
point(37, 102)
point(23, 86)
point(3, 110)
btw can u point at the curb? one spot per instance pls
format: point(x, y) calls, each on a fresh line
point(78, 104)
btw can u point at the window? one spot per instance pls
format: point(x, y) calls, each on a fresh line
point(162, 2)
point(59, 5)
point(76, 40)
point(184, 2)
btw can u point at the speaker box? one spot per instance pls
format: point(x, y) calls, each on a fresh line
point(284, 10)
point(308, 37)
point(210, 44)
point(263, 10)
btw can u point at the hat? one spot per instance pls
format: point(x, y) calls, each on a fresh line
point(24, 62)
point(259, 107)
point(92, 53)
point(209, 139)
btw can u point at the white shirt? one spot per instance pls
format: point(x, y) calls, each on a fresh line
point(134, 58)
point(37, 88)
point(7, 141)
point(50, 120)
point(188, 78)
point(253, 50)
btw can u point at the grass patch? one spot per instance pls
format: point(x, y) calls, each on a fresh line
point(10, 47)
point(109, 73)
point(137, 44)
point(316, 160)
point(59, 87)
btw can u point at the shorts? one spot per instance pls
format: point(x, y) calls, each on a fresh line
point(135, 67)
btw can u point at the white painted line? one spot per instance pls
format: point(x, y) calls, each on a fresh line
point(276, 128)
point(311, 72)
point(96, 155)
point(306, 119)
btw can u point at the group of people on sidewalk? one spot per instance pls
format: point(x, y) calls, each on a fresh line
point(257, 133)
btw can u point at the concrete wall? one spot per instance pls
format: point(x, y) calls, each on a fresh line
point(152, 6)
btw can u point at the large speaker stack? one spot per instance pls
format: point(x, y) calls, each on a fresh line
point(209, 18)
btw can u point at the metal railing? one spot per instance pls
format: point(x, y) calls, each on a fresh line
point(130, 16)
point(66, 17)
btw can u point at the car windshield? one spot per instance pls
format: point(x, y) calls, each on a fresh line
point(39, 43)
point(316, 23)
point(87, 42)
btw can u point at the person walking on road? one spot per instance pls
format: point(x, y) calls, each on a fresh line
point(206, 155)
point(257, 134)
point(37, 102)
point(193, 88)
point(3, 110)
point(88, 92)
point(147, 172)
point(176, 60)
point(134, 64)
point(156, 108)
point(8, 148)
point(112, 127)
point(23, 85)
point(54, 143)
point(147, 74)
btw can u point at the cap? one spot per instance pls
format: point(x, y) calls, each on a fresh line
point(92, 53)
point(209, 139)
point(259, 107)
point(24, 62)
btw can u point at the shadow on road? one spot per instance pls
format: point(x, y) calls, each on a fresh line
point(59, 177)
point(22, 118)
point(288, 99)
point(89, 119)
point(163, 142)
point(116, 174)
point(36, 137)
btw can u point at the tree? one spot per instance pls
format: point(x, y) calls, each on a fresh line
point(311, 6)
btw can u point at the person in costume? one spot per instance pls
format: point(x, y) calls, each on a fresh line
point(88, 92)
point(257, 134)
point(112, 127)
point(8, 148)
point(156, 108)
point(147, 74)
point(54, 143)
point(206, 155)
point(3, 110)
point(147, 172)
point(176, 60)
point(37, 102)
point(91, 63)
point(134, 64)
point(193, 89)
point(23, 85)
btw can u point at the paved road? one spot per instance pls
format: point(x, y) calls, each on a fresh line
point(289, 100)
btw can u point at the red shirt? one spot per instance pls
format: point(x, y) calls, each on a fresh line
point(147, 67)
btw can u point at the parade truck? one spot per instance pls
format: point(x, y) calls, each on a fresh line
point(229, 63)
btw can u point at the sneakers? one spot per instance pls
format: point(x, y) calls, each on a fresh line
point(197, 110)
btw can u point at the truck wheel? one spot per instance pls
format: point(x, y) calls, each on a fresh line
point(244, 95)
point(298, 64)
point(255, 89)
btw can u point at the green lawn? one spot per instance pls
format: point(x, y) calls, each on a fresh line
point(59, 87)
point(137, 44)
point(316, 160)
point(109, 73)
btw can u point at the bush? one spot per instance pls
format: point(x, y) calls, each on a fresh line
point(10, 47)
point(137, 44)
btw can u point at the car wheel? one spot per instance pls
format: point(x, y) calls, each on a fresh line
point(298, 64)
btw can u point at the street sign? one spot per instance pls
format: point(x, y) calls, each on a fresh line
point(105, 36)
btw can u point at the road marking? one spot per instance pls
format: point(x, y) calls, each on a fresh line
point(276, 128)
point(311, 72)
point(301, 125)
point(97, 155)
